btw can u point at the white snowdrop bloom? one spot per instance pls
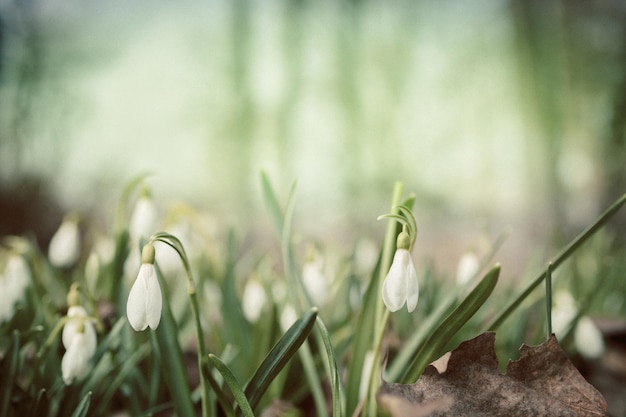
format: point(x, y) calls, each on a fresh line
point(64, 248)
point(144, 304)
point(76, 362)
point(79, 339)
point(92, 271)
point(315, 281)
point(563, 313)
point(287, 317)
point(143, 221)
point(588, 339)
point(253, 300)
point(468, 267)
point(78, 322)
point(13, 281)
point(400, 285)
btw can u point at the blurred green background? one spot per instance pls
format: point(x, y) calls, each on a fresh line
point(498, 115)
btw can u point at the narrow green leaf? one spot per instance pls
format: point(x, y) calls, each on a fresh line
point(437, 341)
point(234, 385)
point(172, 361)
point(224, 400)
point(13, 359)
point(412, 345)
point(562, 256)
point(278, 357)
point(83, 406)
point(40, 406)
point(333, 373)
point(272, 203)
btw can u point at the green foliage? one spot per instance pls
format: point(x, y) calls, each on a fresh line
point(207, 354)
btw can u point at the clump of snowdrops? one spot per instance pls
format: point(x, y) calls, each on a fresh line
point(162, 314)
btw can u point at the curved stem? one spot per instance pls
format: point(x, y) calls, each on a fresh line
point(175, 244)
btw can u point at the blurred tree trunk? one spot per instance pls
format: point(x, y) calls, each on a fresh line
point(542, 80)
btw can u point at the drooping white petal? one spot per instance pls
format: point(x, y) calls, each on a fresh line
point(75, 362)
point(144, 304)
point(77, 319)
point(143, 221)
point(396, 284)
point(315, 281)
point(253, 300)
point(412, 285)
point(468, 267)
point(588, 339)
point(64, 248)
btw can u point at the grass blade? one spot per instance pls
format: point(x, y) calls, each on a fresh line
point(83, 406)
point(562, 256)
point(278, 357)
point(333, 373)
point(173, 365)
point(272, 203)
point(234, 385)
point(12, 357)
point(433, 346)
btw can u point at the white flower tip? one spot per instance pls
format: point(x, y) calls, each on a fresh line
point(400, 285)
point(145, 302)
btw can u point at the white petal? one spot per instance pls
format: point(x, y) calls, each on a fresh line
point(75, 314)
point(144, 304)
point(253, 300)
point(394, 285)
point(136, 304)
point(412, 286)
point(315, 282)
point(468, 267)
point(154, 300)
point(75, 362)
point(588, 339)
point(143, 220)
point(64, 248)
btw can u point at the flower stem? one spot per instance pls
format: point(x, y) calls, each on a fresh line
point(175, 244)
point(382, 314)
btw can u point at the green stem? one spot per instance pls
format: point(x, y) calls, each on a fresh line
point(382, 314)
point(175, 244)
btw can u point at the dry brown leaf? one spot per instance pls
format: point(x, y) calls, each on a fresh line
point(543, 382)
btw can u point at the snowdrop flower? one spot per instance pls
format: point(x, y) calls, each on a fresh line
point(468, 267)
point(75, 363)
point(13, 281)
point(253, 300)
point(315, 281)
point(92, 271)
point(400, 285)
point(287, 317)
point(588, 339)
point(64, 247)
point(144, 300)
point(79, 339)
point(143, 219)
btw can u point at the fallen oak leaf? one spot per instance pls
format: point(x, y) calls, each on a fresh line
point(543, 382)
point(547, 369)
